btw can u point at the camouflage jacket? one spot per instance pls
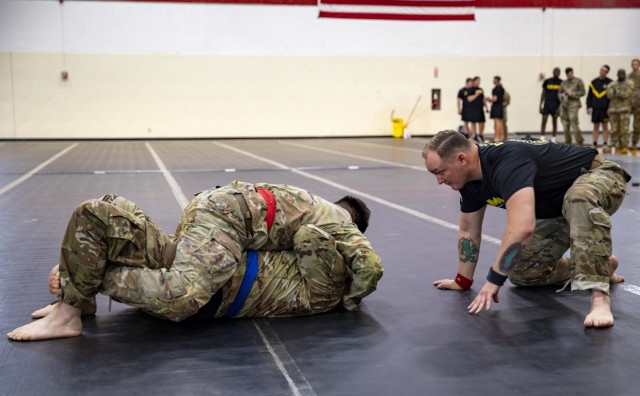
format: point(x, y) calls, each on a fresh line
point(620, 93)
point(294, 207)
point(576, 88)
point(635, 77)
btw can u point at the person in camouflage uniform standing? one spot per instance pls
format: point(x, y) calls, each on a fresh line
point(620, 93)
point(571, 90)
point(506, 101)
point(635, 104)
point(112, 247)
point(557, 197)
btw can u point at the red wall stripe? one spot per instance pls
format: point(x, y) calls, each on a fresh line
point(478, 3)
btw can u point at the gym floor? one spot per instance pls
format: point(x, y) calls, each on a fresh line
point(409, 338)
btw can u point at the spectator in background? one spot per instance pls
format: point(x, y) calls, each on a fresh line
point(550, 103)
point(597, 105)
point(477, 107)
point(463, 104)
point(506, 101)
point(635, 104)
point(620, 93)
point(571, 90)
point(497, 109)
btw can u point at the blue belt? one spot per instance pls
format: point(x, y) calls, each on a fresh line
point(247, 282)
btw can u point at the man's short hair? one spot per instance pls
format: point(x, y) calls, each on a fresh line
point(497, 78)
point(446, 143)
point(468, 79)
point(606, 67)
point(476, 78)
point(358, 210)
point(568, 70)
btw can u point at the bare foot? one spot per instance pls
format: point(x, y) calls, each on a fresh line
point(63, 321)
point(600, 315)
point(54, 281)
point(615, 278)
point(42, 312)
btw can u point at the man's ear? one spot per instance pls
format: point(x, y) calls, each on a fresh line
point(461, 158)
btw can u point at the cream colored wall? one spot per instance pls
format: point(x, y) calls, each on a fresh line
point(7, 127)
point(167, 96)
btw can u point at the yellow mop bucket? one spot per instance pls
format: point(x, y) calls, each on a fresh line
point(398, 127)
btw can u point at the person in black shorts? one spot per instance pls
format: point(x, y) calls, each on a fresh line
point(476, 111)
point(597, 106)
point(463, 103)
point(550, 103)
point(497, 109)
point(557, 197)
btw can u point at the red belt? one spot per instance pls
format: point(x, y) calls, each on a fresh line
point(271, 205)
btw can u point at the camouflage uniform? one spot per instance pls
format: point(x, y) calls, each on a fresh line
point(619, 92)
point(635, 106)
point(506, 101)
point(209, 244)
point(569, 107)
point(585, 228)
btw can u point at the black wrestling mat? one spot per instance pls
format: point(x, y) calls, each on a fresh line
point(408, 338)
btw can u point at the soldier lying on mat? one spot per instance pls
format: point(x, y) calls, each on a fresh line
point(313, 255)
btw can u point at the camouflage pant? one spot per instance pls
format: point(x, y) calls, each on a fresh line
point(635, 111)
point(584, 228)
point(569, 118)
point(108, 231)
point(620, 129)
point(114, 248)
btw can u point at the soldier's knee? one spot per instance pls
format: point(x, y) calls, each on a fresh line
point(527, 278)
point(94, 211)
point(582, 195)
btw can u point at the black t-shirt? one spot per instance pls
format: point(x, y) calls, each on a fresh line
point(512, 165)
point(477, 103)
point(498, 92)
point(551, 86)
point(597, 96)
point(464, 93)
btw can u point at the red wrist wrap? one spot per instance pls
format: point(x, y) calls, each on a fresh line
point(463, 282)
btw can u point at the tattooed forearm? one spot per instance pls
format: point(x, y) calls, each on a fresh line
point(468, 250)
point(510, 257)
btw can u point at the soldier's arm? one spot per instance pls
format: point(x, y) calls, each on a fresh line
point(521, 221)
point(469, 237)
point(581, 91)
point(611, 91)
point(363, 262)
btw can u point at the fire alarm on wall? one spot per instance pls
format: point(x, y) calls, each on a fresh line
point(64, 75)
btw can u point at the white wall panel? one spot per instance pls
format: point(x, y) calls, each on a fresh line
point(201, 70)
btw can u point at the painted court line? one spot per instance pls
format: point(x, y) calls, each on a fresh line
point(299, 386)
point(362, 157)
point(419, 151)
point(631, 289)
point(173, 184)
point(273, 344)
point(35, 170)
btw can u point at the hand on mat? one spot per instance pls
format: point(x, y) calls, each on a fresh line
point(449, 284)
point(483, 300)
